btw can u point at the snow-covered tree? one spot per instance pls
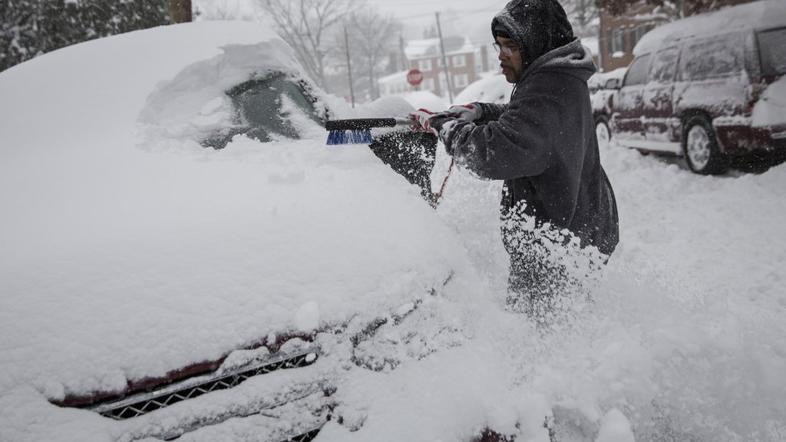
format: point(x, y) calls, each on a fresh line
point(582, 15)
point(371, 38)
point(32, 27)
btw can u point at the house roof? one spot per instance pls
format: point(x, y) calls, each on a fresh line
point(430, 47)
point(393, 78)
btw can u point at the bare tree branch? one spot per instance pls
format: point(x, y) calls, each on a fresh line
point(304, 24)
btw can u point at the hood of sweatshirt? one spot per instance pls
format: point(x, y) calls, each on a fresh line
point(537, 27)
point(572, 59)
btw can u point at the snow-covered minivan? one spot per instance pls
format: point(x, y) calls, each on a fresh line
point(709, 87)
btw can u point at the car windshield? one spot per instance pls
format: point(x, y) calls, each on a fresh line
point(264, 107)
point(637, 73)
point(772, 45)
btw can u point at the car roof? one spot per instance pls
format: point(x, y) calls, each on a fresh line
point(754, 16)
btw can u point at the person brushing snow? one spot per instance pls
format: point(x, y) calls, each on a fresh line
point(542, 144)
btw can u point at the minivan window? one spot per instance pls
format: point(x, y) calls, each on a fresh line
point(712, 57)
point(664, 65)
point(772, 48)
point(637, 72)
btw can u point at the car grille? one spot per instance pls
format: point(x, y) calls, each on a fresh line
point(306, 437)
point(143, 403)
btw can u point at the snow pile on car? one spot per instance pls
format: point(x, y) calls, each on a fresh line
point(492, 89)
point(194, 104)
point(125, 261)
point(756, 15)
point(770, 109)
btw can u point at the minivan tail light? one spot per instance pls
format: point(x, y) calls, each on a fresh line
point(752, 95)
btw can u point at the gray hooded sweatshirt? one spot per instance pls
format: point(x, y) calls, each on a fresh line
point(543, 143)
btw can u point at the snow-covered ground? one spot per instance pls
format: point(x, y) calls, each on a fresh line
point(683, 337)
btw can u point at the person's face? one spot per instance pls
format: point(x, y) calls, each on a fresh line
point(509, 55)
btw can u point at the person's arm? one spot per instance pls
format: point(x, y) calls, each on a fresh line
point(517, 144)
point(491, 111)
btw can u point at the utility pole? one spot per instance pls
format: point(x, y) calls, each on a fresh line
point(402, 54)
point(444, 61)
point(349, 66)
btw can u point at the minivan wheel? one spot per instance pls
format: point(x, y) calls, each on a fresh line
point(602, 131)
point(701, 147)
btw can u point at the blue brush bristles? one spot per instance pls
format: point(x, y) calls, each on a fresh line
point(358, 136)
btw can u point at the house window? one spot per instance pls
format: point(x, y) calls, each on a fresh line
point(639, 32)
point(460, 80)
point(617, 42)
point(459, 61)
point(424, 65)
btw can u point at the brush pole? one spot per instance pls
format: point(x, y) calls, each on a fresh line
point(366, 123)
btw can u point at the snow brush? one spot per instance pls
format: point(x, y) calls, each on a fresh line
point(358, 130)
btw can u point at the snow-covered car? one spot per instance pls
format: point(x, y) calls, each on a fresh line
point(492, 88)
point(141, 272)
point(709, 87)
point(603, 87)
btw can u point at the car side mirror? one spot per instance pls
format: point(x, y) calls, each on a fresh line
point(613, 83)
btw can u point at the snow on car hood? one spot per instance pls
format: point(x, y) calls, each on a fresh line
point(127, 262)
point(492, 89)
point(770, 110)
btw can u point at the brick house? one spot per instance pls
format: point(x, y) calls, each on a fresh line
point(619, 34)
point(462, 59)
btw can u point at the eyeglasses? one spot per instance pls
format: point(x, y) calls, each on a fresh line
point(505, 50)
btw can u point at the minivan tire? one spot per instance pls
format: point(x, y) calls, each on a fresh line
point(602, 131)
point(700, 147)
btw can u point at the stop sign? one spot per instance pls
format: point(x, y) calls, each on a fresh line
point(414, 77)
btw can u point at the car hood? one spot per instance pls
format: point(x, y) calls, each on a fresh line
point(122, 259)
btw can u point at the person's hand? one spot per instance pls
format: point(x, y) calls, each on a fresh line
point(465, 112)
point(428, 121)
point(421, 118)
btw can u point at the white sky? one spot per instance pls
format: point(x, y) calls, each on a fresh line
point(458, 17)
point(467, 17)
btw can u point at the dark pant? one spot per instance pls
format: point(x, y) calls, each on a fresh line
point(548, 272)
point(536, 279)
